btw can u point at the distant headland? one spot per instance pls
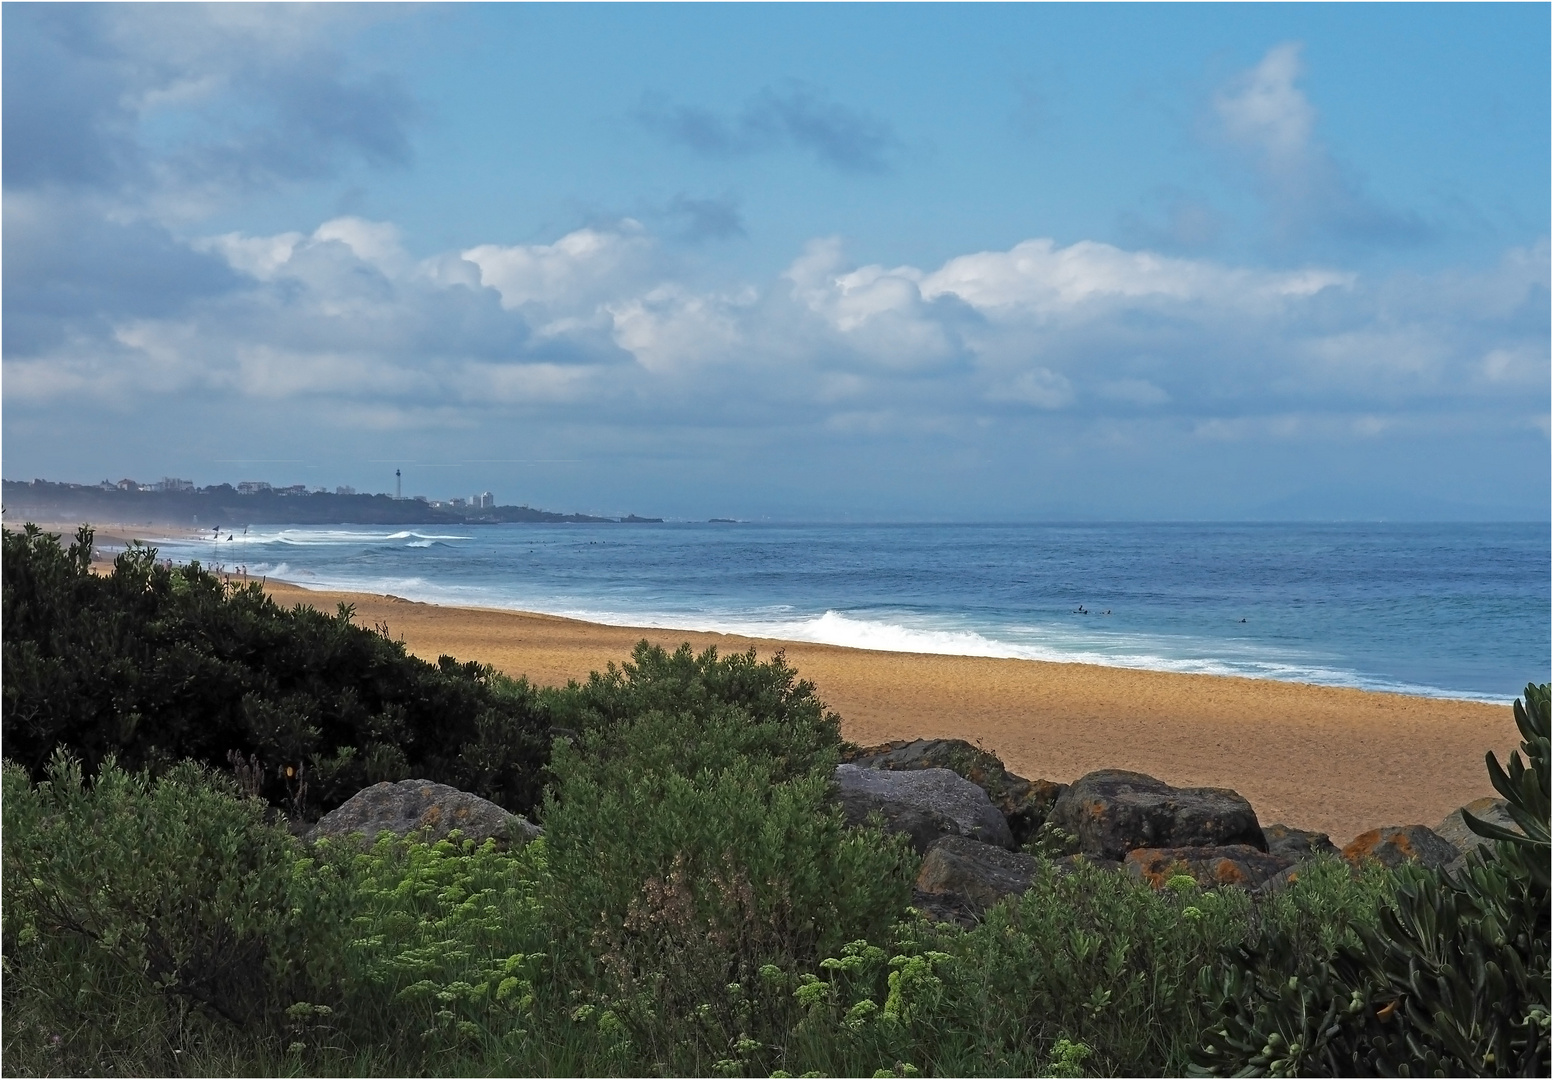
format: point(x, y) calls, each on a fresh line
point(178, 502)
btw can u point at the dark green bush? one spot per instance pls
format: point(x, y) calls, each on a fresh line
point(685, 858)
point(788, 724)
point(154, 664)
point(138, 915)
point(1453, 978)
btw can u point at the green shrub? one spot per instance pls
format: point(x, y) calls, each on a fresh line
point(1452, 978)
point(788, 723)
point(153, 664)
point(1087, 959)
point(685, 858)
point(140, 916)
point(422, 951)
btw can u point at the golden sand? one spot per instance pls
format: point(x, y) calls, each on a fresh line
point(1341, 761)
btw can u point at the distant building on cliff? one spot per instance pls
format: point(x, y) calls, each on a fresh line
point(485, 500)
point(253, 487)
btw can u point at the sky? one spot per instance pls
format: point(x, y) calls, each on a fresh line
point(808, 262)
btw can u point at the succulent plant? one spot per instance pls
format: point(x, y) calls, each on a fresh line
point(1454, 978)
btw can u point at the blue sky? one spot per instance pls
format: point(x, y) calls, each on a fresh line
point(900, 262)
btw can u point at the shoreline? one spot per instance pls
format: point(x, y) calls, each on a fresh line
point(1336, 759)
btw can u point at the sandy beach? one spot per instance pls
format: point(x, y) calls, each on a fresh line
point(1341, 761)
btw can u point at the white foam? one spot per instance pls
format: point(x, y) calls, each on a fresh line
point(884, 632)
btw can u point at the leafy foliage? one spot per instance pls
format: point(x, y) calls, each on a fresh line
point(782, 718)
point(153, 664)
point(1453, 979)
point(695, 849)
point(134, 911)
point(425, 949)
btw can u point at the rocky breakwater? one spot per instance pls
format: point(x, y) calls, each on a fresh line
point(1126, 821)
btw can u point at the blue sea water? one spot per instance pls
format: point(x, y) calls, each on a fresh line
point(1456, 610)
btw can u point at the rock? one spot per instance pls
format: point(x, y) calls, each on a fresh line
point(1454, 829)
point(1280, 881)
point(967, 875)
point(936, 790)
point(1112, 812)
point(1232, 864)
point(921, 824)
point(428, 809)
point(1067, 864)
point(1025, 804)
point(1297, 844)
point(1396, 844)
point(948, 909)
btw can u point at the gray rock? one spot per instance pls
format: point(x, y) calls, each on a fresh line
point(428, 809)
point(1297, 844)
point(1396, 844)
point(1454, 828)
point(1113, 811)
point(920, 824)
point(970, 876)
point(1025, 804)
point(936, 790)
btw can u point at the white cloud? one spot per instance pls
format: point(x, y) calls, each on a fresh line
point(1263, 108)
point(1265, 115)
point(1039, 278)
point(594, 322)
point(257, 256)
point(669, 327)
point(581, 269)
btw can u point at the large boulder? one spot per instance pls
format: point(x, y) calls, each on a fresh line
point(922, 825)
point(1454, 828)
point(938, 791)
point(429, 810)
point(967, 876)
point(1396, 844)
point(1297, 844)
point(1234, 864)
point(1025, 804)
point(1112, 812)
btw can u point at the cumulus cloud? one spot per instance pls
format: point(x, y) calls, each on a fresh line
point(1264, 115)
point(573, 274)
point(124, 124)
point(794, 115)
point(597, 326)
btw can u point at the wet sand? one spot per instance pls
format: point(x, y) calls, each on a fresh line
point(1341, 761)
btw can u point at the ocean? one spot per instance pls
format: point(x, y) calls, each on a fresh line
point(1453, 610)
